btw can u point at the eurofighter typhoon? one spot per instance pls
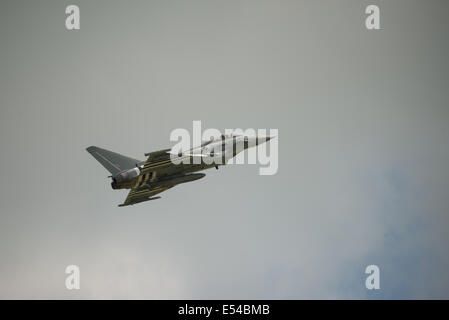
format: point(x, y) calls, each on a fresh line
point(163, 169)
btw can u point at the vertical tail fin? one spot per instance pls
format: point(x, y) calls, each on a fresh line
point(113, 162)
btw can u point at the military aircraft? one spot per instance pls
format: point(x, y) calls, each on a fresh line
point(164, 169)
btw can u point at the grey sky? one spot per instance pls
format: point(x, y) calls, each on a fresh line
point(363, 123)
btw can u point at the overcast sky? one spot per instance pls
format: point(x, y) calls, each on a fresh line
point(363, 119)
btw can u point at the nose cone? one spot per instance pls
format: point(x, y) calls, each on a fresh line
point(261, 139)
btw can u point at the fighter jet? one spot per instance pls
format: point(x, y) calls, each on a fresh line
point(164, 169)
